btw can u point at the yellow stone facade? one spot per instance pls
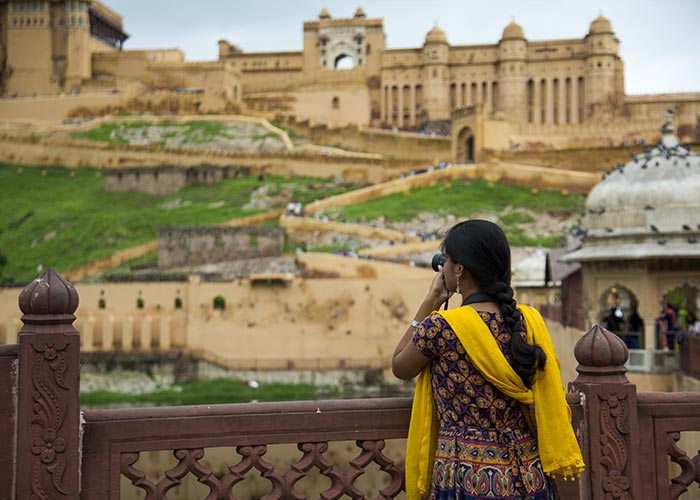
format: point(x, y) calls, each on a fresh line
point(75, 46)
point(556, 93)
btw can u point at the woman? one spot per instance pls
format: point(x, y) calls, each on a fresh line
point(481, 365)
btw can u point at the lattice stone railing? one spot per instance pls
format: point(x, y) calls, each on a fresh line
point(282, 486)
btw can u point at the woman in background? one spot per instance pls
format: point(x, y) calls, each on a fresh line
point(481, 365)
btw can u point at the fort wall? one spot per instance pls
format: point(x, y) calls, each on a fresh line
point(27, 151)
point(167, 179)
point(352, 322)
point(388, 143)
point(194, 246)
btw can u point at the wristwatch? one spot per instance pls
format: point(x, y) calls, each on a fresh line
point(414, 323)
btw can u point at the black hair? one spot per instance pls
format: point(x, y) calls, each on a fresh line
point(482, 248)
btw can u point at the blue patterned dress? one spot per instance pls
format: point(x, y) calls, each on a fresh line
point(485, 448)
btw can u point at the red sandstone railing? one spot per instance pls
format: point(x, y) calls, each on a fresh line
point(48, 452)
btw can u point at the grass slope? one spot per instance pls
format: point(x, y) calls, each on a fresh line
point(63, 218)
point(465, 199)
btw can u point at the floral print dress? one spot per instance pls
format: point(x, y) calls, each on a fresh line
point(485, 447)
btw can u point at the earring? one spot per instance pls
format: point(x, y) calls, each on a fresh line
point(458, 289)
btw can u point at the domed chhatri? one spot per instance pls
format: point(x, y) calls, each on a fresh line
point(360, 13)
point(513, 32)
point(600, 25)
point(600, 348)
point(48, 294)
point(647, 208)
point(324, 14)
point(436, 35)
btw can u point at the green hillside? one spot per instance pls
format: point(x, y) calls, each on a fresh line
point(63, 218)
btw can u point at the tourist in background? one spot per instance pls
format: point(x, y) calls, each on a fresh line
point(481, 366)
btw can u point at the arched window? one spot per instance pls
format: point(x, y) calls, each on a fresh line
point(344, 61)
point(336, 102)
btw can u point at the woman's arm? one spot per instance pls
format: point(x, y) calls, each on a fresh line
point(408, 360)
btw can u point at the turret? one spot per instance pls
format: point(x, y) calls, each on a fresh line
point(436, 53)
point(603, 67)
point(512, 71)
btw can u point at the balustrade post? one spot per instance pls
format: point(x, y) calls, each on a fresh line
point(48, 418)
point(609, 428)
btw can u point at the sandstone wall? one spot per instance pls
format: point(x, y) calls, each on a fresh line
point(393, 144)
point(352, 321)
point(193, 246)
point(166, 180)
point(52, 109)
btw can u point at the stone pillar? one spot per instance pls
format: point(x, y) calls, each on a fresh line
point(127, 333)
point(549, 101)
point(146, 333)
point(87, 336)
point(574, 100)
point(48, 418)
point(390, 105)
point(413, 105)
point(609, 428)
point(107, 333)
point(650, 335)
point(400, 117)
point(489, 98)
point(536, 102)
point(165, 334)
point(562, 101)
point(384, 103)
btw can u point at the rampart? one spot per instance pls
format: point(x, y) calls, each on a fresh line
point(192, 246)
point(392, 144)
point(167, 179)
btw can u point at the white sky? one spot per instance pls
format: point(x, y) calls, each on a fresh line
point(660, 39)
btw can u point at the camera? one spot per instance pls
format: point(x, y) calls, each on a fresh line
point(438, 260)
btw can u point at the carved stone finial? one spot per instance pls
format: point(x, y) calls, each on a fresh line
point(48, 294)
point(601, 356)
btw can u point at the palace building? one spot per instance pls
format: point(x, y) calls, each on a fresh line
point(345, 73)
point(560, 92)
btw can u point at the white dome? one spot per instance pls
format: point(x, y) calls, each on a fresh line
point(649, 207)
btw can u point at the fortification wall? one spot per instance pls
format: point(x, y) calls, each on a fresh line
point(310, 324)
point(588, 134)
point(193, 246)
point(31, 152)
point(431, 150)
point(167, 179)
point(52, 109)
point(686, 108)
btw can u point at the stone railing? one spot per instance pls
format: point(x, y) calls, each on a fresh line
point(50, 451)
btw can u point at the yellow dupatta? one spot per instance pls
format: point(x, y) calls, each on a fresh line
point(559, 451)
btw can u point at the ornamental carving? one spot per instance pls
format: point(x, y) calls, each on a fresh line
point(49, 405)
point(613, 445)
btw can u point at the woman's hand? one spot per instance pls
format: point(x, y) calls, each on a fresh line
point(438, 292)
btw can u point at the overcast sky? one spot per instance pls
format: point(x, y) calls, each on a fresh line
point(660, 39)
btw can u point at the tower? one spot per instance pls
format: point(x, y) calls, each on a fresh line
point(512, 71)
point(436, 75)
point(604, 88)
point(78, 53)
